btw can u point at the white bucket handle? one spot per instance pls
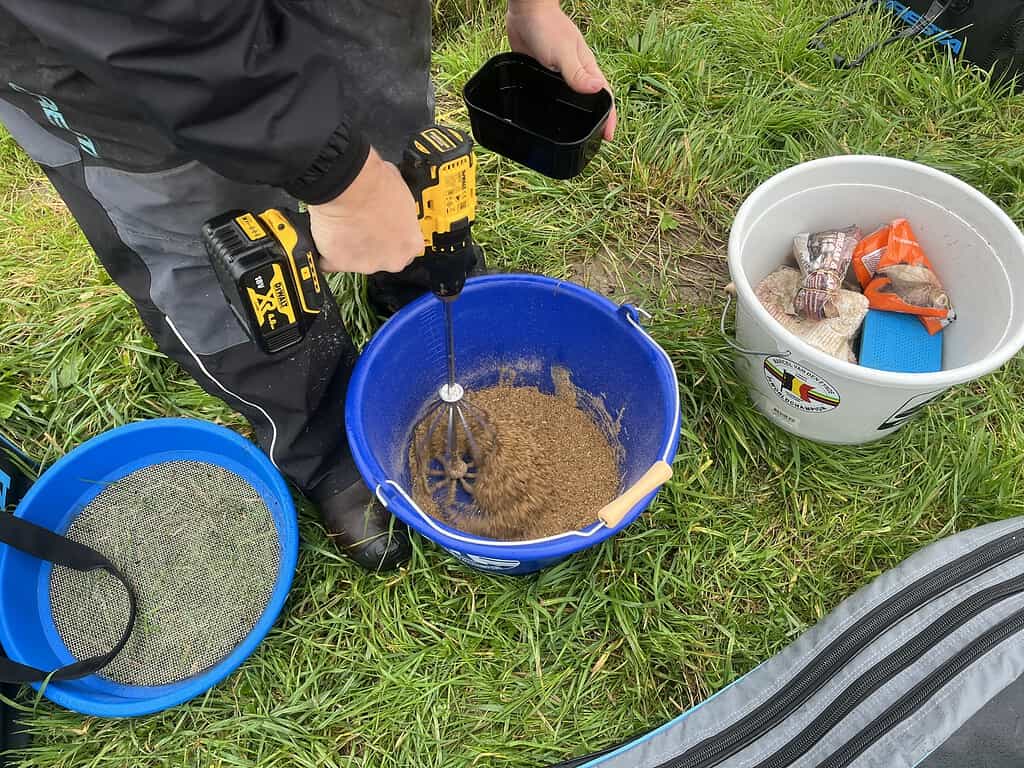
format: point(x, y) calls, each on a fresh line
point(728, 339)
point(451, 533)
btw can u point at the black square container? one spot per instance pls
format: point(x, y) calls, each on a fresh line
point(527, 113)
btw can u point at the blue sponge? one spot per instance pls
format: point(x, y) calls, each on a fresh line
point(894, 341)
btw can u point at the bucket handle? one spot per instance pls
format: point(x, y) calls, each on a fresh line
point(728, 339)
point(46, 545)
point(614, 511)
point(381, 491)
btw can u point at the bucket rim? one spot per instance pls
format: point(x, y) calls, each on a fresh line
point(388, 491)
point(1009, 345)
point(67, 694)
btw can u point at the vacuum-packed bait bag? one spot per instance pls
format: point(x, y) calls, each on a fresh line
point(833, 335)
point(896, 276)
point(823, 258)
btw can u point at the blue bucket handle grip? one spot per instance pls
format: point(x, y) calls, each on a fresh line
point(46, 545)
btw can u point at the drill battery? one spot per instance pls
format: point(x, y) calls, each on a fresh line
point(267, 263)
point(267, 268)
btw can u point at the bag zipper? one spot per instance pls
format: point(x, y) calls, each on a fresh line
point(921, 693)
point(896, 662)
point(841, 651)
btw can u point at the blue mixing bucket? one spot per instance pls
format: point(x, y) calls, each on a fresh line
point(530, 324)
point(27, 627)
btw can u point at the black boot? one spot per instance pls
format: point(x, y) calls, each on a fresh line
point(367, 532)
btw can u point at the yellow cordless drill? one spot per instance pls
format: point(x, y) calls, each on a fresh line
point(267, 263)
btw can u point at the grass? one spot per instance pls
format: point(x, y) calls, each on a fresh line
point(757, 537)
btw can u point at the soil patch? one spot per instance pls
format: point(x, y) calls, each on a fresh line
point(672, 262)
point(548, 469)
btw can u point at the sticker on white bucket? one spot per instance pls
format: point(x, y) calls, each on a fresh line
point(909, 410)
point(484, 563)
point(799, 387)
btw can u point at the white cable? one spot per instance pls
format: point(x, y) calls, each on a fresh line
point(451, 534)
point(203, 368)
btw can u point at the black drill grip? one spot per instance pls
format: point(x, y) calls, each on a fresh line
point(447, 271)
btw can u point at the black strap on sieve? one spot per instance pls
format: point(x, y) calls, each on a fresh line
point(937, 8)
point(51, 547)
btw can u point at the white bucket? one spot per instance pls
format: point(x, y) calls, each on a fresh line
point(977, 252)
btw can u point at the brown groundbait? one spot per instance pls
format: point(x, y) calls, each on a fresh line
point(550, 470)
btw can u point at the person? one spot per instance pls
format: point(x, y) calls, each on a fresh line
point(150, 118)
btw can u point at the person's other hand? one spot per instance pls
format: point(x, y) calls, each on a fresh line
point(540, 29)
point(370, 227)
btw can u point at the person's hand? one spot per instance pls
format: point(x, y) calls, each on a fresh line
point(540, 29)
point(370, 227)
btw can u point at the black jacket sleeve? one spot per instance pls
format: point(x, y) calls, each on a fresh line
point(245, 86)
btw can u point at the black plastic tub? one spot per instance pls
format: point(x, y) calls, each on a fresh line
point(527, 113)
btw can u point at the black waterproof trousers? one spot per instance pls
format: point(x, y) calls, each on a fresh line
point(141, 204)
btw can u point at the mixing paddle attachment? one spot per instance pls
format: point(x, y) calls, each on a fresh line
point(457, 437)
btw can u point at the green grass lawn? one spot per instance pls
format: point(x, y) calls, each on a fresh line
point(756, 538)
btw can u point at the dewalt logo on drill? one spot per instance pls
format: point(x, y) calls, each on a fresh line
point(269, 298)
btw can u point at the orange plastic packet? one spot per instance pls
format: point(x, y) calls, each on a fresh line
point(897, 277)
